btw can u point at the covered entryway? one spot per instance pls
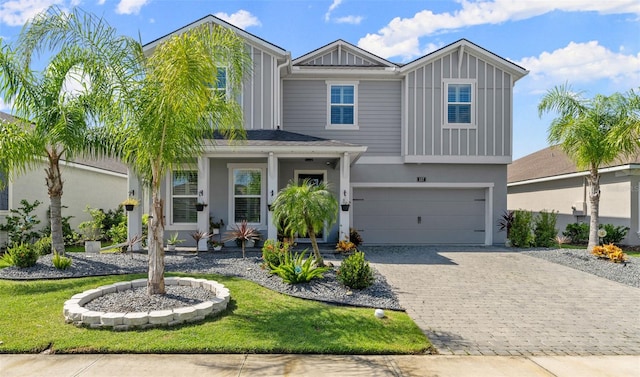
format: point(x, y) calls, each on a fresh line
point(396, 215)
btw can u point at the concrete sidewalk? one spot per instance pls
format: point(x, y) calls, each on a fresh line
point(317, 365)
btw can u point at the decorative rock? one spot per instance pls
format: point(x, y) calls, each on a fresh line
point(203, 309)
point(91, 318)
point(160, 317)
point(112, 319)
point(135, 319)
point(184, 314)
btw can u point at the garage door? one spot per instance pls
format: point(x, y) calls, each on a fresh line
point(419, 215)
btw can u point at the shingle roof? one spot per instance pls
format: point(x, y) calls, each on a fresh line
point(282, 138)
point(551, 162)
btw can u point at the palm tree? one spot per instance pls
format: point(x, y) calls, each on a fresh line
point(590, 132)
point(171, 111)
point(57, 107)
point(306, 208)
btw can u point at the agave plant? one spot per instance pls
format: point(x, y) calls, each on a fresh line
point(243, 233)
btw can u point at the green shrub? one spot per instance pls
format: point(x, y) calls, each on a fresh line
point(91, 230)
point(118, 233)
point(23, 255)
point(520, 234)
point(544, 229)
point(43, 245)
point(294, 269)
point(615, 234)
point(6, 260)
point(273, 252)
point(578, 232)
point(355, 271)
point(20, 226)
point(61, 262)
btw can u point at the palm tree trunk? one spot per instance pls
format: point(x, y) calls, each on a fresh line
point(594, 201)
point(54, 188)
point(314, 245)
point(155, 283)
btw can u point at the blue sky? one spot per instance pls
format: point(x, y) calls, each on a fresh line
point(592, 44)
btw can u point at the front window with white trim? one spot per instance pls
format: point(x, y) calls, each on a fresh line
point(460, 103)
point(4, 192)
point(184, 196)
point(248, 187)
point(342, 105)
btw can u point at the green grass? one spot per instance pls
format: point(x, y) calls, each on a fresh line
point(635, 254)
point(257, 320)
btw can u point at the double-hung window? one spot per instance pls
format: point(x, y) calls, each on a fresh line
point(184, 196)
point(342, 105)
point(247, 192)
point(221, 82)
point(4, 192)
point(460, 103)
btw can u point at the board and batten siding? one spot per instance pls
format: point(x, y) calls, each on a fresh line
point(425, 133)
point(379, 114)
point(259, 91)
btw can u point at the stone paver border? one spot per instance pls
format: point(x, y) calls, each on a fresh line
point(75, 312)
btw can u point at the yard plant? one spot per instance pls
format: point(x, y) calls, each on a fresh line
point(355, 271)
point(294, 268)
point(257, 320)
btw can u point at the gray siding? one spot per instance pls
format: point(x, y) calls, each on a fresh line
point(426, 135)
point(379, 118)
point(259, 91)
point(339, 57)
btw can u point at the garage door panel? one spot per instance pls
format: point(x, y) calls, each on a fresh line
point(406, 216)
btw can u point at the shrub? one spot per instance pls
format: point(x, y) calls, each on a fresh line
point(578, 232)
point(20, 226)
point(294, 269)
point(544, 229)
point(355, 271)
point(118, 233)
point(611, 251)
point(6, 260)
point(615, 234)
point(43, 245)
point(114, 225)
point(506, 222)
point(355, 237)
point(61, 262)
point(520, 233)
point(273, 252)
point(23, 255)
point(345, 246)
point(92, 229)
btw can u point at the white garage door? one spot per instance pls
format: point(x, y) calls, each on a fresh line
point(419, 215)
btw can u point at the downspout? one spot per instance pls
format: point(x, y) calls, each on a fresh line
point(286, 63)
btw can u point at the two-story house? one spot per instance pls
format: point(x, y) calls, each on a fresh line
point(418, 151)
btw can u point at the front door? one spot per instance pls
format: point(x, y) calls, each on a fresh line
point(316, 177)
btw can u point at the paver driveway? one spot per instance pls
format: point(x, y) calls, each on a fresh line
point(478, 301)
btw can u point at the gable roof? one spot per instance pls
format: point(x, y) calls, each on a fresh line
point(341, 53)
point(552, 162)
point(274, 49)
point(465, 44)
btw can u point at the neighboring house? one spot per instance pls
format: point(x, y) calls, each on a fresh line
point(97, 183)
point(419, 151)
point(548, 180)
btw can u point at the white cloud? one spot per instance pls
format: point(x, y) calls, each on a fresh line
point(354, 20)
point(401, 36)
point(582, 63)
point(241, 19)
point(5, 107)
point(17, 12)
point(130, 6)
point(332, 7)
point(101, 2)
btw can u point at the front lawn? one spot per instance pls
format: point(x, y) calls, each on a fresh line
point(257, 320)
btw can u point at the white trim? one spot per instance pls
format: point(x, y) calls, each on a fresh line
point(574, 175)
point(349, 127)
point(423, 184)
point(458, 159)
point(263, 224)
point(241, 150)
point(445, 103)
point(93, 169)
point(381, 160)
point(170, 224)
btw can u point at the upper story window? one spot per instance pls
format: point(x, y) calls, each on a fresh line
point(4, 193)
point(460, 103)
point(247, 191)
point(342, 105)
point(184, 196)
point(221, 82)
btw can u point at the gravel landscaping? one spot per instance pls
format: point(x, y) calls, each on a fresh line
point(625, 273)
point(228, 263)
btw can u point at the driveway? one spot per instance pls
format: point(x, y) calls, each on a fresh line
point(477, 301)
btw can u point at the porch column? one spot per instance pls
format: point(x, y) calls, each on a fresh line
point(272, 193)
point(134, 218)
point(203, 197)
point(344, 196)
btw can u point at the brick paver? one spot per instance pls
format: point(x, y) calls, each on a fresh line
point(476, 301)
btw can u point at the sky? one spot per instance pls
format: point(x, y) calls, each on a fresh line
point(593, 45)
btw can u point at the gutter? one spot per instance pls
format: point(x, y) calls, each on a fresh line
point(574, 175)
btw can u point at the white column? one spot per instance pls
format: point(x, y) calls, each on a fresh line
point(488, 222)
point(134, 218)
point(203, 197)
point(345, 196)
point(272, 193)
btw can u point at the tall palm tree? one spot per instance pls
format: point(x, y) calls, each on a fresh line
point(589, 131)
point(306, 208)
point(56, 108)
point(171, 111)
